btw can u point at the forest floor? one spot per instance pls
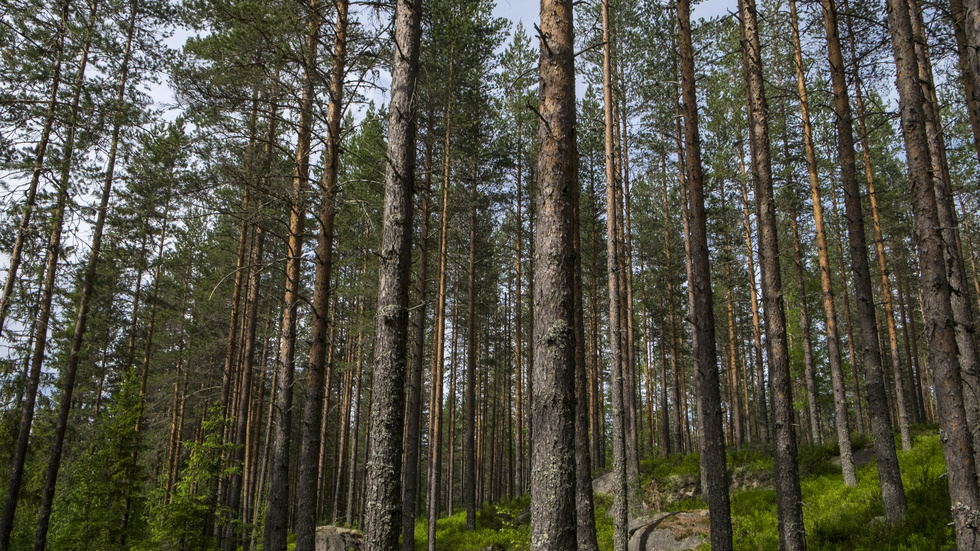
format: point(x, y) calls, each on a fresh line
point(836, 517)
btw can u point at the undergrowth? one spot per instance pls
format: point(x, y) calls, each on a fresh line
point(836, 517)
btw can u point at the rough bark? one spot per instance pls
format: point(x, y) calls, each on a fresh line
point(553, 512)
point(383, 478)
point(966, 28)
point(963, 317)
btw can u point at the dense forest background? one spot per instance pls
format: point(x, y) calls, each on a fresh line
point(189, 317)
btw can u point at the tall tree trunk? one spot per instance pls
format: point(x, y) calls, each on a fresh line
point(358, 385)
point(966, 28)
point(277, 505)
point(621, 492)
point(553, 483)
point(808, 373)
point(317, 385)
point(383, 478)
point(413, 436)
point(253, 274)
point(879, 240)
point(438, 356)
point(710, 412)
point(892, 491)
point(861, 418)
point(754, 305)
point(788, 494)
point(965, 327)
point(675, 366)
point(584, 506)
point(626, 277)
point(84, 301)
point(936, 307)
point(823, 259)
point(518, 321)
point(469, 466)
point(914, 374)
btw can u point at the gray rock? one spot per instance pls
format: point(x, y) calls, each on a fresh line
point(604, 483)
point(669, 531)
point(336, 538)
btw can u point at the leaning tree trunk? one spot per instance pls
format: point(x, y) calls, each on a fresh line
point(965, 327)
point(966, 28)
point(936, 309)
point(892, 491)
point(788, 494)
point(553, 512)
point(47, 293)
point(383, 478)
point(84, 301)
point(23, 229)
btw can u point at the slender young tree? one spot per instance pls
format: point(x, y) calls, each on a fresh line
point(823, 260)
point(383, 478)
point(616, 353)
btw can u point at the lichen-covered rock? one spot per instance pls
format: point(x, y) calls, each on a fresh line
point(336, 538)
point(677, 487)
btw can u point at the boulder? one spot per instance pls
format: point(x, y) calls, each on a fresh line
point(669, 531)
point(605, 483)
point(336, 538)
